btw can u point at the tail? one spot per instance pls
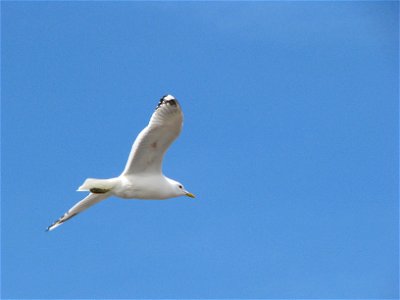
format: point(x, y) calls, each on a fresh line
point(97, 186)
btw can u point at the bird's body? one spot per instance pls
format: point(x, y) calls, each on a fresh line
point(142, 177)
point(137, 187)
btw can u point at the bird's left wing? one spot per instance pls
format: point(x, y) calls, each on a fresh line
point(151, 144)
point(87, 202)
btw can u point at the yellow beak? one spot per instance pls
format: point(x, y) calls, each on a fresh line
point(190, 195)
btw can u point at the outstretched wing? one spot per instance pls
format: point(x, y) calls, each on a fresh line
point(151, 144)
point(87, 202)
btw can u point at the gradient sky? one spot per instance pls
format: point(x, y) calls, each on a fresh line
point(290, 143)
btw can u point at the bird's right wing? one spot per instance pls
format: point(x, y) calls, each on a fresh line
point(87, 202)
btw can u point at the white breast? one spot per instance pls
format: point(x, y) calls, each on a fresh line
point(138, 187)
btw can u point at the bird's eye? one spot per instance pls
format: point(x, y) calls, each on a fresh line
point(180, 186)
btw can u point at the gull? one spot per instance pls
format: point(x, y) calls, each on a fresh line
point(142, 177)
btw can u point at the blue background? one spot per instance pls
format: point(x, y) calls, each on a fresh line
point(290, 144)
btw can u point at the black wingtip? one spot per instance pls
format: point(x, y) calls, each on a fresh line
point(167, 96)
point(48, 228)
point(167, 99)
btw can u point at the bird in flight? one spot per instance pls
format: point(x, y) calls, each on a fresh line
point(142, 177)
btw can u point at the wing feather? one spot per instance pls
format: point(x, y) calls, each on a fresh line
point(82, 205)
point(153, 141)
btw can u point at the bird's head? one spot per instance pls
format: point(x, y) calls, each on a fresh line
point(180, 190)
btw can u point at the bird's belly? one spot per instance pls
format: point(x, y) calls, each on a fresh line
point(131, 192)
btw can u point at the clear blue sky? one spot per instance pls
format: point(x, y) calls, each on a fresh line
point(290, 144)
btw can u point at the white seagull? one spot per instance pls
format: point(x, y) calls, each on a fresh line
point(142, 177)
